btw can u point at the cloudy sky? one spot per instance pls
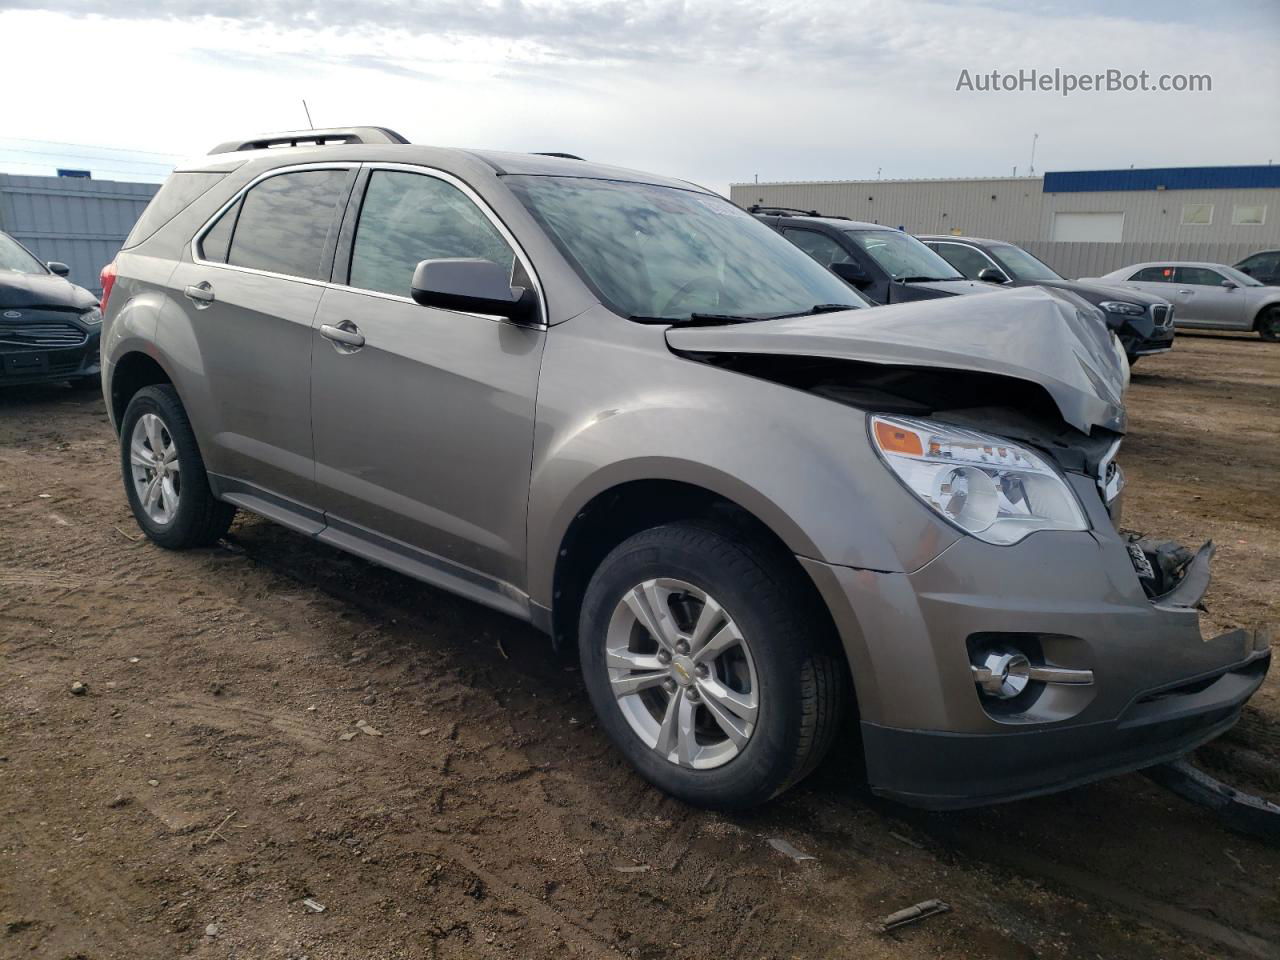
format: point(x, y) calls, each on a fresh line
point(715, 92)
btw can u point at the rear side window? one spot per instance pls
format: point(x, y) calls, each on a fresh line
point(1153, 275)
point(410, 217)
point(178, 193)
point(284, 223)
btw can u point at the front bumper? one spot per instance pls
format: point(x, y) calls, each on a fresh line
point(1159, 688)
point(21, 365)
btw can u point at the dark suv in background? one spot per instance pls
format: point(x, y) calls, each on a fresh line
point(1143, 323)
point(49, 327)
point(1263, 267)
point(884, 264)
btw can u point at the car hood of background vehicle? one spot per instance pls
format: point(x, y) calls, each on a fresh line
point(45, 290)
point(1031, 333)
point(1096, 293)
point(952, 288)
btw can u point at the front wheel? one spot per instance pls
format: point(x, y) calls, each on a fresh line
point(164, 475)
point(1269, 325)
point(707, 666)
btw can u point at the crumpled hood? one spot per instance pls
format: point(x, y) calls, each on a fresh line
point(1098, 292)
point(1048, 337)
point(42, 290)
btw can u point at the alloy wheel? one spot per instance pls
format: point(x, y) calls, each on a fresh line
point(682, 673)
point(157, 474)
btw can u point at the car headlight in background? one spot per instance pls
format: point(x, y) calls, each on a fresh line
point(1120, 307)
point(91, 316)
point(995, 490)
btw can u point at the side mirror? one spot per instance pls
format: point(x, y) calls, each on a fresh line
point(58, 268)
point(1230, 284)
point(850, 271)
point(472, 286)
point(992, 275)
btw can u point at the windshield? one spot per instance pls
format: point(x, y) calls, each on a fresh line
point(902, 256)
point(1021, 265)
point(661, 252)
point(13, 256)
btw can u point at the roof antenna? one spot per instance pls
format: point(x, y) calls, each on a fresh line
point(308, 113)
point(1031, 170)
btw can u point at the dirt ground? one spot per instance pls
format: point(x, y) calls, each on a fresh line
point(214, 777)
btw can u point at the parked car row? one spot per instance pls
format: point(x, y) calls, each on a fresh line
point(1143, 302)
point(618, 407)
point(891, 266)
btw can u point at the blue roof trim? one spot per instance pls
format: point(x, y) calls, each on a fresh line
point(1171, 178)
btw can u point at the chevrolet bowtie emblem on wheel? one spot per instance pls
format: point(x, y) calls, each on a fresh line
point(680, 669)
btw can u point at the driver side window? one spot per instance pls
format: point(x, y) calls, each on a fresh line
point(817, 245)
point(964, 258)
point(409, 217)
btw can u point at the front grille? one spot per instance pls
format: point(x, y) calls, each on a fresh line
point(47, 335)
point(1162, 316)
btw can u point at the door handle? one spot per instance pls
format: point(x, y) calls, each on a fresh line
point(345, 333)
point(1187, 292)
point(201, 294)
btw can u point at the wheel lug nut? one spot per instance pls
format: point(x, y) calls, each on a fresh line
point(664, 656)
point(692, 693)
point(669, 686)
point(682, 648)
point(703, 671)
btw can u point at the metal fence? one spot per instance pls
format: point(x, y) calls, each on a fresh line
point(78, 221)
point(1077, 260)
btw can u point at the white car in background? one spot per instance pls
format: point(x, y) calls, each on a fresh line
point(1208, 295)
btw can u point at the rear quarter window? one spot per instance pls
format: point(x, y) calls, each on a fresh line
point(178, 193)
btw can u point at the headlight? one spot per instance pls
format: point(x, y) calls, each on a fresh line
point(996, 490)
point(1119, 306)
point(91, 316)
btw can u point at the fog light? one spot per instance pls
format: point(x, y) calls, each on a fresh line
point(1002, 674)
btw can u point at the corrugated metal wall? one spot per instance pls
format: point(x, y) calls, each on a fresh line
point(1015, 208)
point(80, 222)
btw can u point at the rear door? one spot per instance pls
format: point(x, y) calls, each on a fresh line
point(250, 296)
point(424, 428)
point(1200, 296)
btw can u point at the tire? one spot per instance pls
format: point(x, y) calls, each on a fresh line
point(1133, 359)
point(198, 518)
point(1269, 325)
point(785, 662)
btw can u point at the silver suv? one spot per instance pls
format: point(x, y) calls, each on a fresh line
point(615, 406)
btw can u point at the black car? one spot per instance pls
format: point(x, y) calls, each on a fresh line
point(49, 327)
point(1142, 321)
point(883, 264)
point(1263, 267)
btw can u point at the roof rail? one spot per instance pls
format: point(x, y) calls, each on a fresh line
point(769, 211)
point(306, 138)
point(553, 153)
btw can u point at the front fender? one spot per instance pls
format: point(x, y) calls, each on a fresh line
point(615, 406)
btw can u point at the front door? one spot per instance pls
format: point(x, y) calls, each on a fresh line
point(1200, 296)
point(423, 418)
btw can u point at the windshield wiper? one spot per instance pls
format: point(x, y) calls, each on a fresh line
point(819, 308)
point(698, 319)
point(925, 279)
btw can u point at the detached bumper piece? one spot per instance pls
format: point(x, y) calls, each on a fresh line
point(955, 770)
point(1241, 812)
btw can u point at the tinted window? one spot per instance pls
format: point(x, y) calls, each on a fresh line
point(965, 259)
point(656, 251)
point(178, 193)
point(817, 245)
point(1153, 275)
point(1021, 265)
point(14, 256)
point(217, 241)
point(1199, 276)
point(284, 222)
point(407, 218)
point(902, 256)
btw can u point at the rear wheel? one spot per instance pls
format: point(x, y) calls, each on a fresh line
point(707, 667)
point(1269, 325)
point(164, 475)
